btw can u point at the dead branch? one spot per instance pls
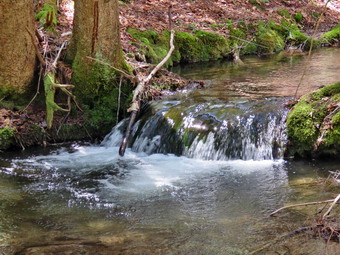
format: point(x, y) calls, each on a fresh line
point(142, 84)
point(139, 90)
point(331, 207)
point(303, 204)
point(35, 44)
point(58, 55)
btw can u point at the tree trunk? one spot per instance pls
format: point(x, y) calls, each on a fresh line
point(17, 52)
point(95, 34)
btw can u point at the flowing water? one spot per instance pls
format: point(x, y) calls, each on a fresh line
point(204, 171)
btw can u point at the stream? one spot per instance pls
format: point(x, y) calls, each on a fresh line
point(204, 170)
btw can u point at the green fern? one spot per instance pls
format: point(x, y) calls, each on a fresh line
point(47, 16)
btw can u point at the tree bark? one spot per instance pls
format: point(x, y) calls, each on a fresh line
point(95, 34)
point(17, 52)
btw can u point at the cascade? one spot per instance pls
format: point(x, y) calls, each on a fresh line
point(213, 130)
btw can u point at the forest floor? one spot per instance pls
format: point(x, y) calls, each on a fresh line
point(208, 15)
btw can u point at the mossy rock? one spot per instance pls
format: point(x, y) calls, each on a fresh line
point(313, 126)
point(6, 137)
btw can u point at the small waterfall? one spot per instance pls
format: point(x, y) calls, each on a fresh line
point(209, 130)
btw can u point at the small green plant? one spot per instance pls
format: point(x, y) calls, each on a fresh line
point(298, 17)
point(284, 13)
point(47, 16)
point(6, 137)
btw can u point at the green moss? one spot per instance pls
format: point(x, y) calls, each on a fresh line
point(291, 33)
point(331, 90)
point(284, 13)
point(191, 49)
point(331, 37)
point(97, 88)
point(154, 46)
point(215, 45)
point(51, 106)
point(298, 17)
point(309, 129)
point(201, 46)
point(6, 137)
point(269, 39)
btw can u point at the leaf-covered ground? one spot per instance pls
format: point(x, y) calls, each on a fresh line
point(210, 15)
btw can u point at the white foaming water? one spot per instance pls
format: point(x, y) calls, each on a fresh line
point(142, 173)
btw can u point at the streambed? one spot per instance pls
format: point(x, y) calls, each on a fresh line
point(85, 199)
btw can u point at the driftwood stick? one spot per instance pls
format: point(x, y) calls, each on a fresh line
point(124, 143)
point(303, 204)
point(58, 55)
point(57, 85)
point(142, 84)
point(331, 207)
point(137, 93)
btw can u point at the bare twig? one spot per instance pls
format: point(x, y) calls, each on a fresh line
point(58, 55)
point(303, 204)
point(249, 42)
point(311, 48)
point(331, 207)
point(115, 68)
point(37, 52)
point(138, 92)
point(119, 95)
point(141, 85)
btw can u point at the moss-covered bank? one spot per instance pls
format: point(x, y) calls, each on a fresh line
point(199, 46)
point(260, 38)
point(313, 125)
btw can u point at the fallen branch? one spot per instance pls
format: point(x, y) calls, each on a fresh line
point(138, 92)
point(303, 204)
point(35, 44)
point(331, 207)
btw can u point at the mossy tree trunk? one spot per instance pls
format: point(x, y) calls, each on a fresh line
point(95, 34)
point(17, 52)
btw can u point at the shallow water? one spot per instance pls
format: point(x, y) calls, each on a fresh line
point(269, 76)
point(85, 199)
point(158, 204)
